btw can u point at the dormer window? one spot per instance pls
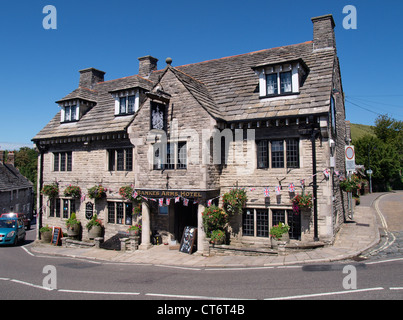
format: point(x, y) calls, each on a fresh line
point(281, 79)
point(126, 101)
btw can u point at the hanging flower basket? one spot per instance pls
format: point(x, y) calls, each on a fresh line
point(97, 192)
point(351, 184)
point(234, 200)
point(126, 192)
point(72, 191)
point(50, 190)
point(302, 201)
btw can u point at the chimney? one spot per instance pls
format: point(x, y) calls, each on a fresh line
point(90, 77)
point(10, 157)
point(323, 32)
point(2, 152)
point(147, 65)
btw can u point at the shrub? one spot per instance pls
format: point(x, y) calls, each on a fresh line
point(234, 200)
point(214, 218)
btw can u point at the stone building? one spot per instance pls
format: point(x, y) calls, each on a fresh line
point(16, 191)
point(267, 121)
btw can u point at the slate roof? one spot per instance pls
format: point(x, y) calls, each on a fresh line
point(227, 88)
point(12, 179)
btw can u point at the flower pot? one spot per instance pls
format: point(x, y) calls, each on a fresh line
point(73, 230)
point(275, 242)
point(46, 237)
point(95, 232)
point(134, 233)
point(218, 241)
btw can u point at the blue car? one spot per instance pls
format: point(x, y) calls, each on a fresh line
point(12, 231)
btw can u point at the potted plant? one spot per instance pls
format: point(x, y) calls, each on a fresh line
point(50, 190)
point(73, 226)
point(351, 184)
point(218, 236)
point(302, 201)
point(72, 191)
point(279, 233)
point(234, 200)
point(94, 227)
point(46, 234)
point(97, 192)
point(135, 230)
point(214, 218)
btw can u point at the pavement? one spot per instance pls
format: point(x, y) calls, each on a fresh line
point(354, 237)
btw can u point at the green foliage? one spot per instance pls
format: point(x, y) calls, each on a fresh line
point(72, 221)
point(278, 230)
point(234, 200)
point(45, 229)
point(214, 218)
point(50, 190)
point(93, 222)
point(218, 236)
point(97, 192)
point(72, 191)
point(383, 153)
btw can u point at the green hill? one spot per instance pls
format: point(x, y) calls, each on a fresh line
point(360, 130)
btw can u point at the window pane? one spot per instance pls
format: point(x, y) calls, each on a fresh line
point(119, 213)
point(120, 160)
point(182, 155)
point(129, 212)
point(67, 112)
point(271, 83)
point(111, 156)
point(57, 208)
point(111, 212)
point(130, 105)
point(56, 162)
point(69, 161)
point(122, 102)
point(285, 80)
point(63, 161)
point(262, 155)
point(278, 216)
point(73, 113)
point(170, 156)
point(248, 222)
point(262, 221)
point(277, 154)
point(292, 153)
point(65, 209)
point(157, 161)
point(129, 159)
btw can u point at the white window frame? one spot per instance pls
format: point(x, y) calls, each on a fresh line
point(126, 94)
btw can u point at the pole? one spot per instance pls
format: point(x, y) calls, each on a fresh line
point(314, 185)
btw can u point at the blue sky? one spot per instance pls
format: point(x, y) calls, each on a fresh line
point(38, 66)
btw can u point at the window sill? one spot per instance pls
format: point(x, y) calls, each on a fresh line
point(281, 95)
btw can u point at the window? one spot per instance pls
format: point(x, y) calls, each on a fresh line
point(277, 157)
point(285, 82)
point(173, 157)
point(62, 161)
point(69, 206)
point(126, 105)
point(257, 222)
point(70, 113)
point(120, 213)
point(120, 159)
point(278, 83)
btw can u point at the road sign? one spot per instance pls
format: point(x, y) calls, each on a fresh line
point(350, 158)
point(369, 172)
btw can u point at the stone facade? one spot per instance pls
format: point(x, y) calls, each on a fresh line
point(196, 131)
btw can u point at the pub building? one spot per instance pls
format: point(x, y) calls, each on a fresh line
point(271, 122)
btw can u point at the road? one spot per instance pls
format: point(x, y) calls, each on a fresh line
point(24, 275)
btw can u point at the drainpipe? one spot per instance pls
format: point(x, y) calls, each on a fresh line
point(315, 131)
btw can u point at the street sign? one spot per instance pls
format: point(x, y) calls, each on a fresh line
point(369, 172)
point(350, 158)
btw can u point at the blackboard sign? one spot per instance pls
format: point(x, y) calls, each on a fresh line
point(89, 210)
point(188, 239)
point(57, 232)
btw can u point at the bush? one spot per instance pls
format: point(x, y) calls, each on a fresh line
point(234, 200)
point(218, 236)
point(214, 218)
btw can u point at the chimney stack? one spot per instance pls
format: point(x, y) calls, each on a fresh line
point(10, 157)
point(147, 65)
point(90, 77)
point(2, 152)
point(323, 32)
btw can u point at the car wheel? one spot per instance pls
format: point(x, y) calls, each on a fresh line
point(15, 241)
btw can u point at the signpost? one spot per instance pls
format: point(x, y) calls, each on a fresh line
point(349, 154)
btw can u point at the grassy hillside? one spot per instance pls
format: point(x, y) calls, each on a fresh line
point(360, 130)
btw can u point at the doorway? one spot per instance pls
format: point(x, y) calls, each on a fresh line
point(184, 216)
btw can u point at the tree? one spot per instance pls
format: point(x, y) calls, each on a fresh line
point(383, 153)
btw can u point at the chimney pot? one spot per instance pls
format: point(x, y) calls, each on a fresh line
point(147, 65)
point(10, 157)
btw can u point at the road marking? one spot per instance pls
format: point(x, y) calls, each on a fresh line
point(384, 261)
point(191, 297)
point(30, 284)
point(99, 292)
point(325, 294)
point(27, 251)
point(396, 288)
point(240, 268)
point(176, 267)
